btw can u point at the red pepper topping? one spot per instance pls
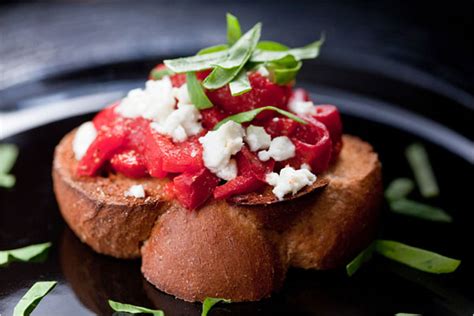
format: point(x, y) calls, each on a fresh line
point(130, 163)
point(193, 189)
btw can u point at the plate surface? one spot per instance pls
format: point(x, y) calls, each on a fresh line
point(29, 214)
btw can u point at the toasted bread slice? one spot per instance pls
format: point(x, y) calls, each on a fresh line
point(224, 249)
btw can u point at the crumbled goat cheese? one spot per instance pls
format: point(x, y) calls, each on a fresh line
point(281, 148)
point(218, 147)
point(85, 135)
point(302, 108)
point(305, 166)
point(136, 191)
point(181, 123)
point(257, 138)
point(289, 180)
point(182, 95)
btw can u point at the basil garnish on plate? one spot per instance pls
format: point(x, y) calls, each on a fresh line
point(134, 309)
point(364, 256)
point(418, 159)
point(233, 29)
point(8, 156)
point(31, 299)
point(157, 74)
point(399, 189)
point(24, 254)
point(244, 117)
point(420, 210)
point(209, 302)
point(196, 92)
point(240, 84)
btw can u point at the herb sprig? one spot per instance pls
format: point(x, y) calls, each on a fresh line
point(24, 254)
point(8, 156)
point(31, 299)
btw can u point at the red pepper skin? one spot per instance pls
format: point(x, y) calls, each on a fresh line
point(129, 163)
point(239, 185)
point(280, 126)
point(193, 189)
point(183, 157)
point(154, 143)
point(329, 116)
point(106, 116)
point(212, 116)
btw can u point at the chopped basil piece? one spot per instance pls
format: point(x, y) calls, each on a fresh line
point(8, 155)
point(284, 71)
point(362, 257)
point(196, 63)
point(399, 189)
point(240, 84)
point(244, 117)
point(420, 210)
point(24, 254)
point(133, 309)
point(159, 74)
point(213, 49)
point(31, 299)
point(7, 180)
point(233, 29)
point(417, 258)
point(239, 54)
point(418, 159)
point(209, 302)
point(196, 92)
point(306, 52)
point(271, 46)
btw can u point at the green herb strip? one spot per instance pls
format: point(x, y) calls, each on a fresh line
point(417, 258)
point(306, 52)
point(240, 84)
point(7, 180)
point(31, 299)
point(362, 257)
point(399, 189)
point(213, 49)
point(8, 156)
point(196, 92)
point(418, 159)
point(239, 54)
point(420, 210)
point(272, 46)
point(209, 302)
point(196, 63)
point(159, 74)
point(233, 29)
point(248, 116)
point(282, 74)
point(133, 309)
point(24, 254)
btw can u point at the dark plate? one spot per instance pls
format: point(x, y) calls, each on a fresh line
point(29, 214)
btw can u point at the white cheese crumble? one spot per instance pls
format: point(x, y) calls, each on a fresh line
point(182, 95)
point(155, 102)
point(302, 108)
point(136, 191)
point(218, 147)
point(181, 123)
point(281, 148)
point(85, 135)
point(289, 180)
point(257, 138)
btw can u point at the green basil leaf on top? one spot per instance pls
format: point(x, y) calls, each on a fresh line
point(7, 180)
point(244, 117)
point(240, 84)
point(31, 299)
point(24, 254)
point(209, 302)
point(196, 92)
point(271, 46)
point(306, 52)
point(417, 258)
point(196, 63)
point(284, 70)
point(418, 159)
point(399, 189)
point(357, 262)
point(157, 74)
point(213, 49)
point(8, 156)
point(239, 54)
point(420, 210)
point(233, 29)
point(133, 309)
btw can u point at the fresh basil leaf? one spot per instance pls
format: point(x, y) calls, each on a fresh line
point(209, 302)
point(133, 309)
point(306, 52)
point(240, 84)
point(272, 46)
point(24, 254)
point(239, 54)
point(7, 180)
point(419, 210)
point(362, 257)
point(233, 29)
point(196, 63)
point(196, 92)
point(244, 117)
point(159, 74)
point(213, 49)
point(418, 159)
point(399, 189)
point(8, 155)
point(417, 258)
point(31, 299)
point(281, 73)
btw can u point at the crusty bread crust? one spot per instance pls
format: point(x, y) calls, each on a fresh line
point(240, 252)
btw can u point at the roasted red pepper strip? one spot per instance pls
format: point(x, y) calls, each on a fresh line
point(193, 189)
point(129, 163)
point(329, 116)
